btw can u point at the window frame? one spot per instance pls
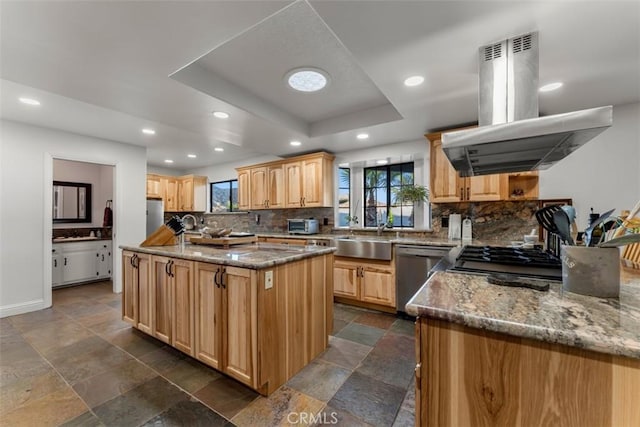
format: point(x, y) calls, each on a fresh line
point(388, 188)
point(348, 188)
point(230, 182)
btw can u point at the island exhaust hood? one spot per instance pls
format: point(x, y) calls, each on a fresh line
point(511, 137)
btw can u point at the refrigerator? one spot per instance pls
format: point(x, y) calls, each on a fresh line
point(155, 215)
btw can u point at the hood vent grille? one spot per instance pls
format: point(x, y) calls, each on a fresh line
point(522, 43)
point(493, 52)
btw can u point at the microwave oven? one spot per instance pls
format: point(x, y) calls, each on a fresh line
point(303, 226)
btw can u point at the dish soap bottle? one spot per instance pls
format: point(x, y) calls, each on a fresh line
point(466, 229)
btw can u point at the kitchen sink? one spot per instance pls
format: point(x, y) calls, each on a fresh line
point(363, 247)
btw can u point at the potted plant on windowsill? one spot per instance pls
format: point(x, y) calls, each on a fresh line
point(413, 194)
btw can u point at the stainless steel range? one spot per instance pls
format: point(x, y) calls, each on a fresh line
point(520, 262)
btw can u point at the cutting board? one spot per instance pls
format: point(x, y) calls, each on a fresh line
point(224, 242)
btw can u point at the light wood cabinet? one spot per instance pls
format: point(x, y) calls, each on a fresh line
point(192, 193)
point(259, 182)
point(155, 189)
point(209, 315)
point(172, 302)
point(170, 194)
point(447, 186)
point(304, 181)
point(179, 194)
point(182, 305)
point(136, 290)
point(244, 190)
point(366, 281)
point(226, 315)
point(468, 376)
point(161, 298)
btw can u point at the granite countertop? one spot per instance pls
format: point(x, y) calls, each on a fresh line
point(609, 326)
point(254, 256)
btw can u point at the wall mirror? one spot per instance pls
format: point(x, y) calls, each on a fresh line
point(71, 202)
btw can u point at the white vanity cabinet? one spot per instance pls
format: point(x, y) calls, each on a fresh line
point(75, 262)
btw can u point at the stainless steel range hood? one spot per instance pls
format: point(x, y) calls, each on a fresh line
point(511, 137)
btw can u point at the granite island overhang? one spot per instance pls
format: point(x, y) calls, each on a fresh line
point(491, 354)
point(258, 313)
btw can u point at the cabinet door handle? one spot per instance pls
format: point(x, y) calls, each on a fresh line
point(55, 263)
point(468, 188)
point(65, 260)
point(102, 257)
point(135, 261)
point(461, 193)
point(215, 278)
point(166, 268)
point(222, 276)
point(171, 272)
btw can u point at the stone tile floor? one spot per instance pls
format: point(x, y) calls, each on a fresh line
point(78, 364)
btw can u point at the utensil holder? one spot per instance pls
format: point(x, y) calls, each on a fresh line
point(591, 271)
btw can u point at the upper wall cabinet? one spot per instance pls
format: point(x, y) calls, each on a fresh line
point(180, 194)
point(447, 186)
point(303, 181)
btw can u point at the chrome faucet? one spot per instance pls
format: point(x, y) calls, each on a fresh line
point(381, 226)
point(193, 218)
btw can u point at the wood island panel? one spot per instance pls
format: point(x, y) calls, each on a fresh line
point(472, 377)
point(208, 315)
point(182, 314)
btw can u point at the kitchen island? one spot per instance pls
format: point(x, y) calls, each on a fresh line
point(495, 355)
point(258, 312)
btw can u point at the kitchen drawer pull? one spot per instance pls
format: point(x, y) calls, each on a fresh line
point(215, 278)
point(65, 260)
point(103, 257)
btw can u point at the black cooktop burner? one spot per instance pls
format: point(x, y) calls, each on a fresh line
point(519, 261)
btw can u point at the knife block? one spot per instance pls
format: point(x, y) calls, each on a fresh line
point(163, 236)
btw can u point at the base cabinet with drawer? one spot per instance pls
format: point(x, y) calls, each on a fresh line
point(363, 282)
point(77, 262)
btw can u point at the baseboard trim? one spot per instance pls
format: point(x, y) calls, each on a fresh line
point(21, 308)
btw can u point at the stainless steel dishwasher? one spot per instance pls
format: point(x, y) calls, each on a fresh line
point(413, 264)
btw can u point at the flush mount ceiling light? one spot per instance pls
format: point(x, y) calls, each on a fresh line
point(382, 162)
point(414, 81)
point(168, 161)
point(307, 79)
point(29, 101)
point(362, 136)
point(550, 87)
point(221, 114)
point(219, 149)
point(295, 143)
point(148, 131)
point(191, 156)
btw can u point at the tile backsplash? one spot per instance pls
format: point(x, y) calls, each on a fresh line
point(264, 221)
point(491, 220)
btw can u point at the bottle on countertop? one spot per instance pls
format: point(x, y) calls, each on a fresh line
point(467, 229)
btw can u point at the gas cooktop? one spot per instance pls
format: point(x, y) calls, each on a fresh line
point(533, 263)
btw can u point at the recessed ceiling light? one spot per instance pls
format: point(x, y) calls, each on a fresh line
point(29, 101)
point(307, 79)
point(362, 136)
point(221, 114)
point(414, 81)
point(382, 162)
point(191, 156)
point(149, 131)
point(168, 161)
point(220, 149)
point(295, 143)
point(550, 87)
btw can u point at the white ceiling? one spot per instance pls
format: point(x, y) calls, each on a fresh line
point(102, 68)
